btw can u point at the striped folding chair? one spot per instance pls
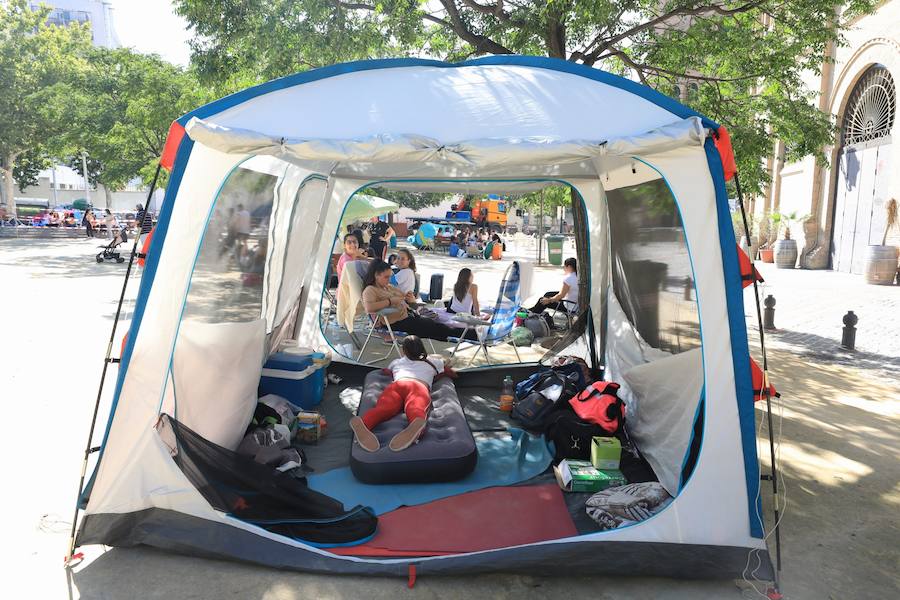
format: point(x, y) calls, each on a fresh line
point(503, 315)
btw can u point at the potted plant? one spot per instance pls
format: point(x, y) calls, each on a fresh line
point(786, 248)
point(768, 225)
point(880, 266)
point(749, 246)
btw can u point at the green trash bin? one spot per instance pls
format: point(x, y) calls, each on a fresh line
point(554, 249)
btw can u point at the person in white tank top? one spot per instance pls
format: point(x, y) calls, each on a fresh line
point(465, 294)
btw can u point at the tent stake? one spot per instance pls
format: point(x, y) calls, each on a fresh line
point(88, 450)
point(765, 369)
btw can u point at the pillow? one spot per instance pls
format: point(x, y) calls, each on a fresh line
point(217, 367)
point(667, 392)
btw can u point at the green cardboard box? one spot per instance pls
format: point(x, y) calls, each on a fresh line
point(606, 452)
point(582, 476)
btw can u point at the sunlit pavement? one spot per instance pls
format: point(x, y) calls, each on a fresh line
point(839, 451)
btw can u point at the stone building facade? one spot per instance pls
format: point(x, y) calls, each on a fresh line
point(844, 202)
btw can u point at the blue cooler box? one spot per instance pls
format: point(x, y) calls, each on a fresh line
point(297, 376)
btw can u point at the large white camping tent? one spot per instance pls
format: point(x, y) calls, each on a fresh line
point(510, 123)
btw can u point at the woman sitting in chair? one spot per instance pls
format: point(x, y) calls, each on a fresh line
point(351, 252)
point(566, 299)
point(378, 294)
point(465, 294)
point(405, 277)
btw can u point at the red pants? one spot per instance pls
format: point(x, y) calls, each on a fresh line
point(407, 394)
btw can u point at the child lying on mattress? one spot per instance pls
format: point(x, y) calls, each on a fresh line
point(410, 392)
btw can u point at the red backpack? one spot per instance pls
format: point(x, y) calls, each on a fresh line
point(599, 404)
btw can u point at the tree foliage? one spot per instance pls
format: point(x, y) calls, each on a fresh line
point(37, 63)
point(410, 200)
point(740, 62)
point(122, 110)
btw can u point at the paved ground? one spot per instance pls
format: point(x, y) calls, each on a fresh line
point(809, 309)
point(839, 452)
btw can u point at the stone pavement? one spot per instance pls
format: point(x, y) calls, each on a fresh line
point(840, 438)
point(810, 306)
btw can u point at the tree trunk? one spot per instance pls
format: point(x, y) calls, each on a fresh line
point(109, 197)
point(9, 185)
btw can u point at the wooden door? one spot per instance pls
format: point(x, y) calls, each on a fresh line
point(862, 182)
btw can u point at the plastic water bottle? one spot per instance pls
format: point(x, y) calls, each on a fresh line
point(507, 394)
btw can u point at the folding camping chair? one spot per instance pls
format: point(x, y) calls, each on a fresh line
point(381, 315)
point(331, 285)
point(571, 310)
point(503, 315)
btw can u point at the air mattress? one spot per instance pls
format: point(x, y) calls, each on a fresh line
point(445, 452)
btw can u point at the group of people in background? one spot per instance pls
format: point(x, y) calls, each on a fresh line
point(372, 239)
point(476, 243)
point(390, 282)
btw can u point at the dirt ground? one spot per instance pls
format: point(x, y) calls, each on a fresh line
point(840, 443)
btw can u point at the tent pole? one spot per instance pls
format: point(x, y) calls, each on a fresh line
point(765, 389)
point(541, 229)
point(106, 362)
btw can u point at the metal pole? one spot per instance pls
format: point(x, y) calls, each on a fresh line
point(765, 390)
point(106, 362)
point(87, 185)
point(541, 229)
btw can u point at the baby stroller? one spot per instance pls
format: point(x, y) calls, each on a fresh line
point(109, 251)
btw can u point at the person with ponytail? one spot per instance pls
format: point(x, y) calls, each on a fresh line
point(465, 294)
point(410, 392)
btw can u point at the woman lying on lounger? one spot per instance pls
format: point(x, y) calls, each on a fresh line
point(410, 392)
point(379, 294)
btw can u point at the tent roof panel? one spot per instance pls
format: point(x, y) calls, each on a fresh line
point(513, 96)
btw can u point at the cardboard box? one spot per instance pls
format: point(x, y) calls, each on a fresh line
point(309, 427)
point(606, 453)
point(582, 476)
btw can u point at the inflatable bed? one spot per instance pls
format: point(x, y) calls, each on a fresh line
point(445, 452)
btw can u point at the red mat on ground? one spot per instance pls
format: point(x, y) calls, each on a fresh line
point(482, 520)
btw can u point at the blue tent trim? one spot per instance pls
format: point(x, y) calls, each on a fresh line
point(150, 268)
point(541, 62)
point(740, 353)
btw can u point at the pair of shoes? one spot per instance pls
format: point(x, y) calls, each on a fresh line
point(365, 438)
point(408, 436)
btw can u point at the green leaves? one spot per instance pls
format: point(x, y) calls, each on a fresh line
point(122, 112)
point(37, 63)
point(744, 63)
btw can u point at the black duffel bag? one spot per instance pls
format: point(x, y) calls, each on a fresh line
point(551, 389)
point(571, 436)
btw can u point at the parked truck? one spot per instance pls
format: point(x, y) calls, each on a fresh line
point(485, 212)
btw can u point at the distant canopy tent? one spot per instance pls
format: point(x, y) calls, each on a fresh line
point(363, 207)
point(655, 237)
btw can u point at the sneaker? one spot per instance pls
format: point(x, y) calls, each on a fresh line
point(365, 438)
point(408, 436)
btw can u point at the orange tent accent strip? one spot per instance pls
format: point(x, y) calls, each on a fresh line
point(145, 248)
point(723, 145)
point(173, 140)
point(748, 271)
point(757, 375)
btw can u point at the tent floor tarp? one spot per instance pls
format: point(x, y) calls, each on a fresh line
point(178, 532)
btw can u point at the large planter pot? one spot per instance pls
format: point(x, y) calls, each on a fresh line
point(785, 254)
point(767, 255)
point(880, 265)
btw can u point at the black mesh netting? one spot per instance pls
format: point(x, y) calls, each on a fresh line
point(261, 495)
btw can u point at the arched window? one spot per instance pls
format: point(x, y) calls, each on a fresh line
point(870, 111)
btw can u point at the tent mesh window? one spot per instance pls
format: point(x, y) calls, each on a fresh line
point(227, 282)
point(652, 275)
point(258, 494)
point(653, 278)
point(870, 111)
